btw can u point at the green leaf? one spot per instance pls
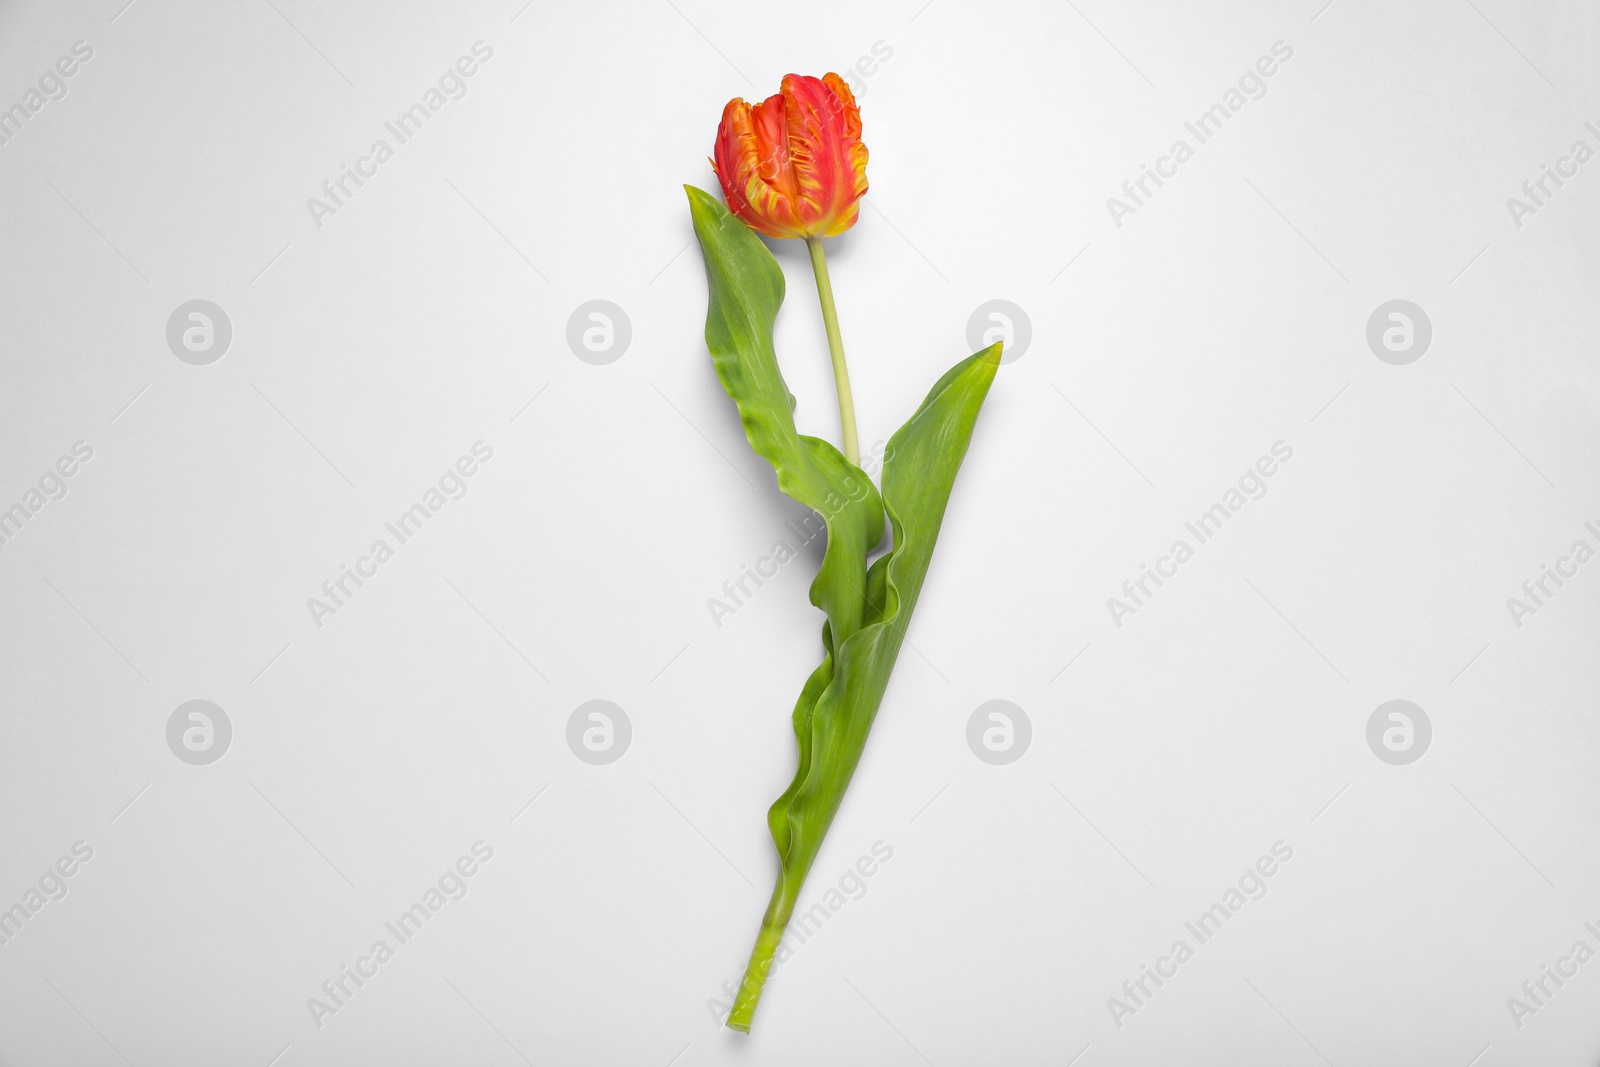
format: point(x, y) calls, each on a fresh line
point(918, 475)
point(746, 287)
point(867, 610)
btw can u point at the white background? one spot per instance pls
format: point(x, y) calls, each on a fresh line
point(1167, 354)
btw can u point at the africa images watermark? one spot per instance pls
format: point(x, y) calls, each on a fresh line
point(1536, 992)
point(452, 85)
point(1537, 591)
point(52, 85)
point(1252, 885)
point(851, 885)
point(452, 485)
point(1538, 191)
point(1252, 485)
point(1251, 85)
point(337, 992)
point(856, 74)
point(812, 526)
point(51, 486)
point(52, 885)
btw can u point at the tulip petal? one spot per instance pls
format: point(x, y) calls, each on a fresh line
point(830, 162)
point(794, 165)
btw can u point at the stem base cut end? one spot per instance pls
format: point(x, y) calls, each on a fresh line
point(755, 975)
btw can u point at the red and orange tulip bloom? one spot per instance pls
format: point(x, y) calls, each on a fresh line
point(794, 165)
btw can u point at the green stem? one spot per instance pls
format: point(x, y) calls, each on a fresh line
point(755, 974)
point(786, 892)
point(763, 957)
point(841, 373)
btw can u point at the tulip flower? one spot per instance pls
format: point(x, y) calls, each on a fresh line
point(794, 166)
